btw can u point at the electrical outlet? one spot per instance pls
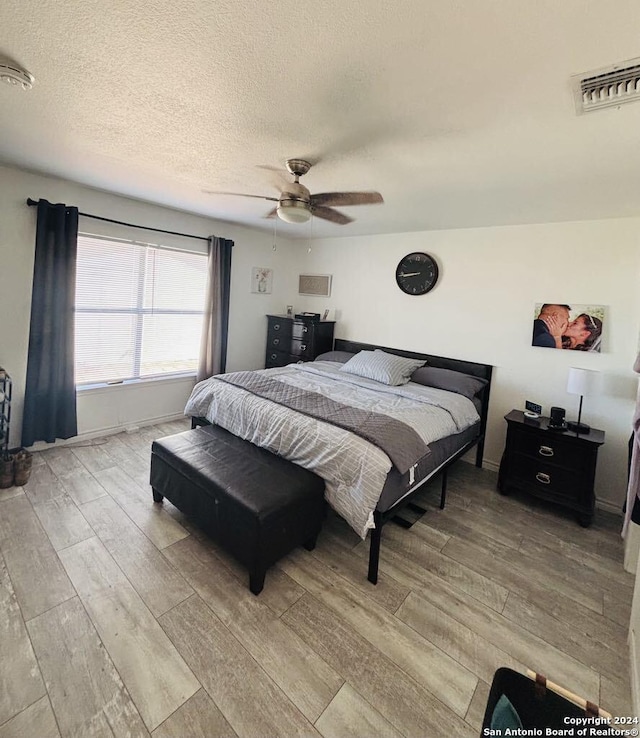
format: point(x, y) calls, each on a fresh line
point(533, 408)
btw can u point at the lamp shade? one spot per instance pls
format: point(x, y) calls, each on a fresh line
point(583, 381)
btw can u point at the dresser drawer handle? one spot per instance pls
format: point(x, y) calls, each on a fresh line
point(276, 326)
point(545, 451)
point(303, 347)
point(274, 357)
point(275, 341)
point(305, 329)
point(543, 478)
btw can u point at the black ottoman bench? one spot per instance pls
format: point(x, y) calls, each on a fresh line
point(257, 505)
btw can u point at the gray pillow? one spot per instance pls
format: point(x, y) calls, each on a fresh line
point(450, 380)
point(382, 367)
point(341, 356)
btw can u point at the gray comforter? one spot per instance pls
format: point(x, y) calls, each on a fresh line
point(397, 439)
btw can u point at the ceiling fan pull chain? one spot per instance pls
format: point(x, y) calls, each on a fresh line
point(275, 235)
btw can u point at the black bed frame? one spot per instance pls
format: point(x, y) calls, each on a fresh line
point(483, 371)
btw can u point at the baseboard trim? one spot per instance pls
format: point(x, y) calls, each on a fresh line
point(108, 431)
point(609, 507)
point(635, 676)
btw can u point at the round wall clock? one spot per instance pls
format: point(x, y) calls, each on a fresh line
point(417, 273)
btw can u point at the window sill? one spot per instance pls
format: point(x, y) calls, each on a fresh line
point(132, 384)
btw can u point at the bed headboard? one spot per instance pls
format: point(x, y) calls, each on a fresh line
point(457, 365)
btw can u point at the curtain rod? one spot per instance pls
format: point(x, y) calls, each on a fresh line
point(32, 203)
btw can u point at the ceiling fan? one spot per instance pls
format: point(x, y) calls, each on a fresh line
point(296, 204)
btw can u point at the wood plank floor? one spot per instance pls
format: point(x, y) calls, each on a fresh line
point(119, 617)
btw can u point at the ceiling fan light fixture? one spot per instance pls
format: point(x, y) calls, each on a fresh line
point(296, 204)
point(293, 211)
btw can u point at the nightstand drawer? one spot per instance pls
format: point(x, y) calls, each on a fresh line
point(547, 478)
point(548, 447)
point(554, 466)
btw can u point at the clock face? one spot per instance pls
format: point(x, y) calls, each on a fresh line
point(417, 273)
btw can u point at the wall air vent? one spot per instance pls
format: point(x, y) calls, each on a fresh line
point(607, 87)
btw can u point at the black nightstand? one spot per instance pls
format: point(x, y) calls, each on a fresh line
point(554, 465)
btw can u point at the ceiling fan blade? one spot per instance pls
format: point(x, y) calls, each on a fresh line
point(272, 213)
point(333, 215)
point(347, 198)
point(239, 194)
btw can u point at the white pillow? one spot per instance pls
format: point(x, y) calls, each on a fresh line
point(382, 367)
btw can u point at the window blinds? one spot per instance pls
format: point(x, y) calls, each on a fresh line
point(138, 310)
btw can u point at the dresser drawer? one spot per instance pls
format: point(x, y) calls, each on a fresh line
point(277, 327)
point(278, 341)
point(303, 330)
point(279, 358)
point(546, 478)
point(548, 447)
point(301, 348)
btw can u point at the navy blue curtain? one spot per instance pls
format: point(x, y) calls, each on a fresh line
point(225, 265)
point(215, 326)
point(50, 393)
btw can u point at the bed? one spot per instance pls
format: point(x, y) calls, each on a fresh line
point(353, 417)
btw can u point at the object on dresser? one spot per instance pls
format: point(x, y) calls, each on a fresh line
point(532, 409)
point(582, 382)
point(557, 467)
point(290, 340)
point(307, 316)
point(557, 421)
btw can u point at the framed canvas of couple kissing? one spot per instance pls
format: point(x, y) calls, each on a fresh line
point(568, 326)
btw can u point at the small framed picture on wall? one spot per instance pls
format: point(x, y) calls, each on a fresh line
point(261, 280)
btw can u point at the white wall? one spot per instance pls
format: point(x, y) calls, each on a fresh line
point(116, 407)
point(482, 307)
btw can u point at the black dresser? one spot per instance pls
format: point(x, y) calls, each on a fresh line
point(290, 340)
point(554, 465)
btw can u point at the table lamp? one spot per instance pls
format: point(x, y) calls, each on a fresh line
point(582, 382)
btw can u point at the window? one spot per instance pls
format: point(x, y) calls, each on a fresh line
point(138, 310)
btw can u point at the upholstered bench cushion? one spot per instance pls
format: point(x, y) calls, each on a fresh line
point(257, 505)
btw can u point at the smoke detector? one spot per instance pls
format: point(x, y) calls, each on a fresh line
point(15, 76)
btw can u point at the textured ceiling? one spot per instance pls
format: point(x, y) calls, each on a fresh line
point(460, 113)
